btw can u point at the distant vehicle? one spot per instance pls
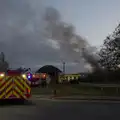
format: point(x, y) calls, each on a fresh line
point(14, 85)
point(39, 79)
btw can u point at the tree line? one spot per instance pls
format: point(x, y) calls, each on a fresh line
point(109, 60)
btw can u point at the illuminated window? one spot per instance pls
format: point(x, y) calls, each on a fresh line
point(72, 77)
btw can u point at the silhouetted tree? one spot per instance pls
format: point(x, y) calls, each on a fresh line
point(110, 52)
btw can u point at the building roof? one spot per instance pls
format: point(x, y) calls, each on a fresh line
point(48, 69)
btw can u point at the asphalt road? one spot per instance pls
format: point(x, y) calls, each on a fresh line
point(60, 110)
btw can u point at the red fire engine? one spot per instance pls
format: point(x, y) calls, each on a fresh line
point(38, 78)
point(14, 85)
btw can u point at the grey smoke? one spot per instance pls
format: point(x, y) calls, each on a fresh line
point(72, 44)
point(21, 32)
point(24, 32)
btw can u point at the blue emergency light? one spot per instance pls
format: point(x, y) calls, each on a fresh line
point(29, 76)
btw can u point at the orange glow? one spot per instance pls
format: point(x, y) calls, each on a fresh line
point(43, 75)
point(36, 76)
point(33, 75)
point(28, 91)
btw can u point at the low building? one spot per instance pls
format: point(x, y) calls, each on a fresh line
point(52, 71)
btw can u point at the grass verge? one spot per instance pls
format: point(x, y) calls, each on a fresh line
point(66, 90)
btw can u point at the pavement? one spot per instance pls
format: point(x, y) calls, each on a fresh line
point(107, 98)
point(41, 109)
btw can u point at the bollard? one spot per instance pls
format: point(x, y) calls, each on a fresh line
point(55, 92)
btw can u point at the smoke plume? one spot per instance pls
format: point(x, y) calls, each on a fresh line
point(22, 39)
point(70, 43)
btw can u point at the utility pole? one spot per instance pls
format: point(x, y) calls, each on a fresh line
point(2, 57)
point(63, 67)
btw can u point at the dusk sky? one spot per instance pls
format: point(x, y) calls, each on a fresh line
point(21, 29)
point(93, 19)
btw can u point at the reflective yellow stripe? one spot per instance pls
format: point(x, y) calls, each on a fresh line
point(7, 89)
point(16, 94)
point(3, 80)
point(3, 94)
point(18, 83)
point(19, 86)
point(7, 83)
point(18, 90)
point(2, 87)
point(5, 86)
point(24, 82)
point(28, 82)
point(8, 95)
